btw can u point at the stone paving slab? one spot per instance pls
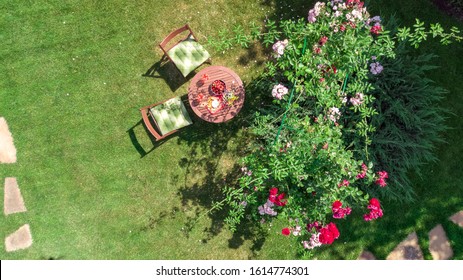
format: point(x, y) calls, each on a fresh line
point(7, 148)
point(457, 218)
point(439, 245)
point(13, 201)
point(366, 255)
point(20, 239)
point(409, 249)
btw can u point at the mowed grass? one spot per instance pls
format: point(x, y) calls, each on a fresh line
point(73, 78)
point(439, 191)
point(71, 88)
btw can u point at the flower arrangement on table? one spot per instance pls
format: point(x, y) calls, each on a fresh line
point(218, 87)
point(229, 97)
point(214, 104)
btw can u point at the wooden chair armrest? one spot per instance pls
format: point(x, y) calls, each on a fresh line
point(191, 32)
point(146, 108)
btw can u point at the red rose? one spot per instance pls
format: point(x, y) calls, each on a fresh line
point(381, 182)
point(277, 199)
point(383, 175)
point(332, 227)
point(286, 231)
point(273, 191)
point(315, 225)
point(344, 183)
point(382, 178)
point(364, 167)
point(368, 217)
point(337, 204)
point(362, 174)
point(338, 212)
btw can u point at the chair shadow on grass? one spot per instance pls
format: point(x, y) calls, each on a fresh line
point(208, 152)
point(165, 69)
point(214, 149)
point(210, 157)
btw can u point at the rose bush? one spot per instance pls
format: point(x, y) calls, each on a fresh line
point(310, 162)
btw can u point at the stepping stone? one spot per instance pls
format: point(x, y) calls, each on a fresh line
point(366, 255)
point(20, 239)
point(409, 249)
point(439, 245)
point(458, 218)
point(7, 149)
point(13, 200)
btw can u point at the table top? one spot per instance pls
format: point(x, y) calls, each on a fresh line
point(200, 91)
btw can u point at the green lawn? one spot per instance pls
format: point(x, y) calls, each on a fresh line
point(73, 78)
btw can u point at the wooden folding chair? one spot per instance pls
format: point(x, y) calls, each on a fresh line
point(187, 54)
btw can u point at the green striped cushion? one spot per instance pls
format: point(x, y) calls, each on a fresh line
point(188, 55)
point(171, 115)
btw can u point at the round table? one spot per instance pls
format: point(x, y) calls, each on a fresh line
point(199, 93)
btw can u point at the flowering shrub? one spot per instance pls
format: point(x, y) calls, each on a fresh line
point(338, 212)
point(376, 68)
point(310, 162)
point(375, 210)
point(411, 119)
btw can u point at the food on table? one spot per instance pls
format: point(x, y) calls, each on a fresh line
point(218, 87)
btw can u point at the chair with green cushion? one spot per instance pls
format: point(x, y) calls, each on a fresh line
point(168, 116)
point(186, 54)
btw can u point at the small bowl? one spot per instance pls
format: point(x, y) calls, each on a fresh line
point(214, 104)
point(218, 87)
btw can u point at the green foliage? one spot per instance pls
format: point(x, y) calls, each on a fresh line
point(88, 193)
point(410, 120)
point(456, 5)
point(335, 110)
